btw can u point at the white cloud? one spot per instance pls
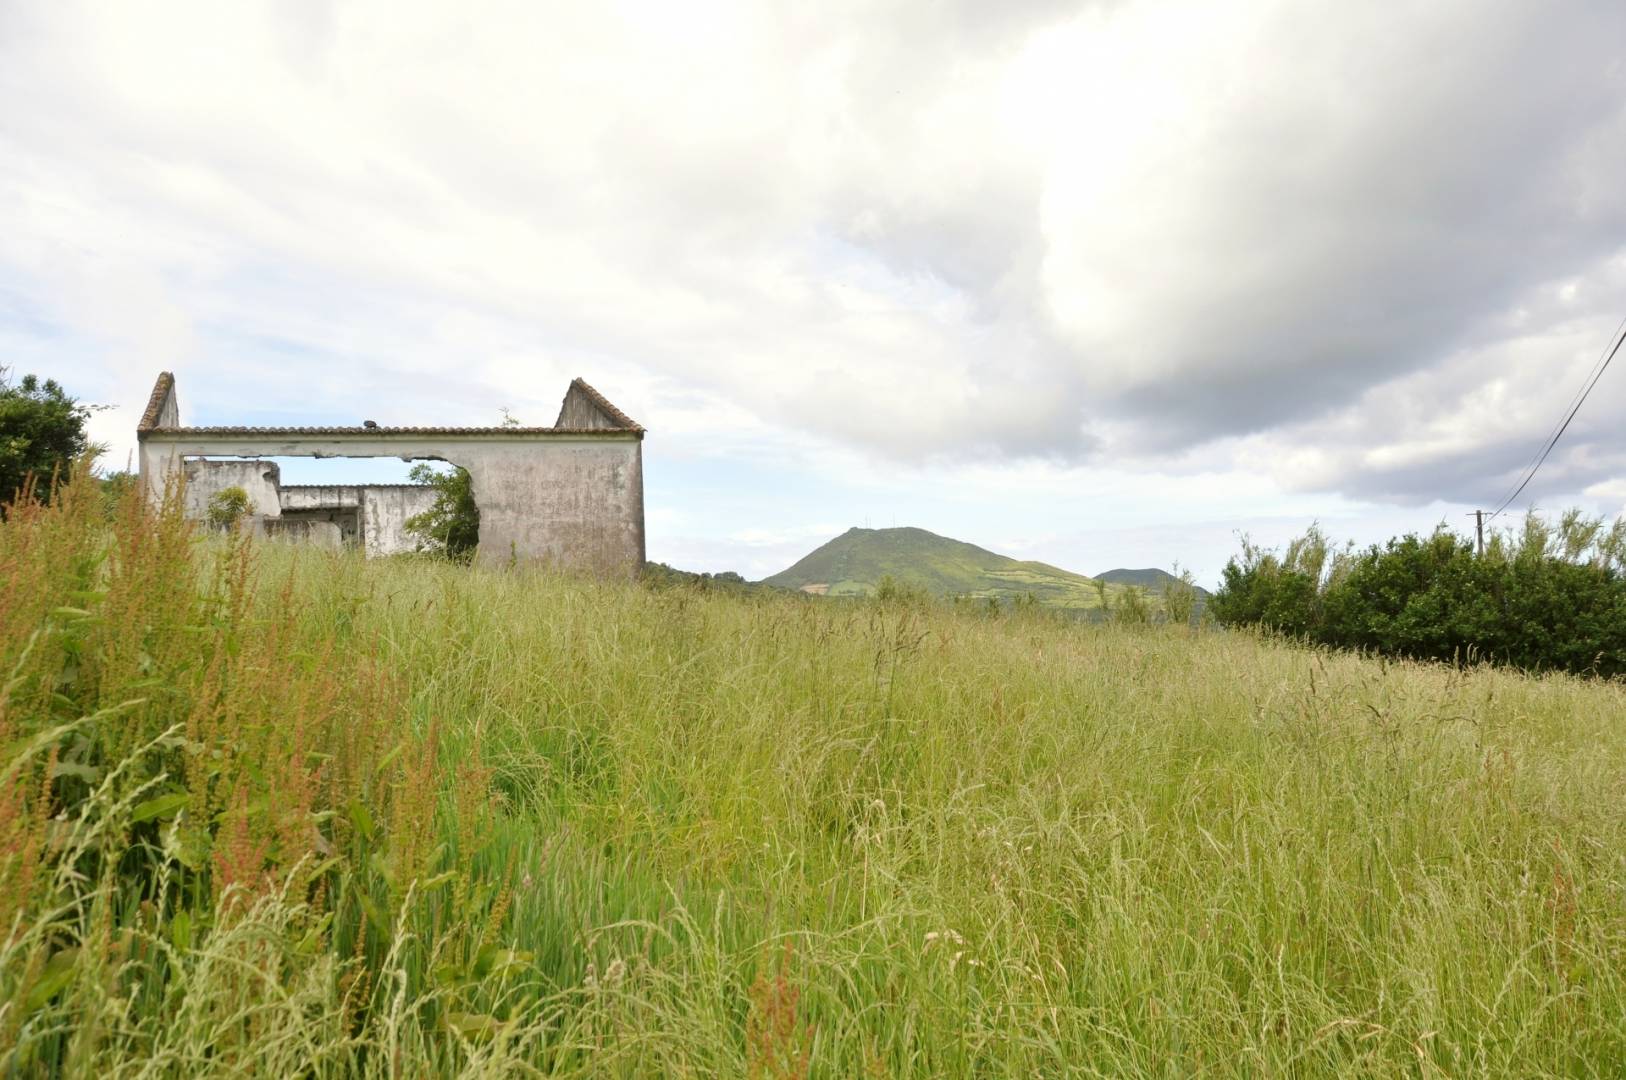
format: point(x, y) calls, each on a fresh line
point(1160, 252)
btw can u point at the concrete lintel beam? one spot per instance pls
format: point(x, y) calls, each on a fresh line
point(405, 447)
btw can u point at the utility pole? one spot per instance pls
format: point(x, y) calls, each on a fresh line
point(1479, 532)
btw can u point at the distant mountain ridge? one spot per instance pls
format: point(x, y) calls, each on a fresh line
point(1151, 579)
point(854, 563)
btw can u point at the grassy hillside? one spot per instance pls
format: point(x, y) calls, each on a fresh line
point(854, 563)
point(1151, 579)
point(294, 813)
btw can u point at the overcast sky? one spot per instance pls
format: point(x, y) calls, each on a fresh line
point(1097, 283)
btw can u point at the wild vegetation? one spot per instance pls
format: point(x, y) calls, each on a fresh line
point(42, 432)
point(287, 811)
point(1549, 596)
point(450, 528)
point(227, 507)
point(659, 575)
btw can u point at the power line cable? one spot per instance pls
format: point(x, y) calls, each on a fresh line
point(1573, 403)
point(1552, 441)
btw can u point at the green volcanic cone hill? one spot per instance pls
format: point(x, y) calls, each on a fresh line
point(854, 563)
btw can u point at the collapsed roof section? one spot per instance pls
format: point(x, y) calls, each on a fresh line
point(584, 411)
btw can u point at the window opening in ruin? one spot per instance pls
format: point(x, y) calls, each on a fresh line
point(332, 502)
point(450, 525)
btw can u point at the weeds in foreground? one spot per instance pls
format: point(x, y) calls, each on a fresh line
point(777, 1043)
point(272, 809)
point(189, 794)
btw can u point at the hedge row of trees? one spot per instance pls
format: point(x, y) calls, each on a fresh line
point(1548, 596)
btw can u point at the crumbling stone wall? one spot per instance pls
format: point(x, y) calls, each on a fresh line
point(578, 504)
point(206, 479)
point(385, 510)
point(322, 534)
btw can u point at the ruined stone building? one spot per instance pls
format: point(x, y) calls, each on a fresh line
point(571, 495)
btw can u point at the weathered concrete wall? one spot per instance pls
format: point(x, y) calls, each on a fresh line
point(156, 465)
point(321, 497)
point(205, 479)
point(169, 412)
point(336, 503)
point(577, 504)
point(574, 500)
point(578, 410)
point(385, 509)
point(373, 514)
point(164, 409)
point(322, 534)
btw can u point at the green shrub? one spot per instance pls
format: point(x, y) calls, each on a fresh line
point(891, 590)
point(1549, 598)
point(1133, 608)
point(1180, 598)
point(42, 432)
point(227, 507)
point(115, 487)
point(451, 526)
point(661, 576)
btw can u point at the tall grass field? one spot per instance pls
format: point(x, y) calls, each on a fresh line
point(278, 812)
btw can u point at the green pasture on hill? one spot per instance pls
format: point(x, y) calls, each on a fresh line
point(273, 810)
point(856, 562)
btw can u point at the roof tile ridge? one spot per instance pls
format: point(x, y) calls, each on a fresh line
point(605, 406)
point(161, 391)
point(240, 429)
